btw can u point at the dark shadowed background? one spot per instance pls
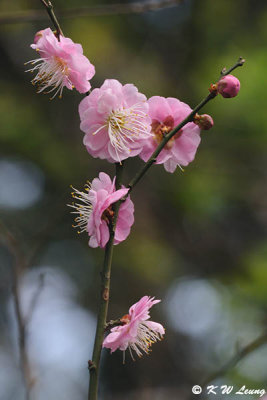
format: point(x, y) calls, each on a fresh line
point(199, 239)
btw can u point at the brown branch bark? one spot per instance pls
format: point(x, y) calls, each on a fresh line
point(50, 11)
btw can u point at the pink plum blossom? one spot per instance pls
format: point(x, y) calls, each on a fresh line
point(95, 213)
point(228, 86)
point(166, 113)
point(61, 63)
point(136, 333)
point(115, 121)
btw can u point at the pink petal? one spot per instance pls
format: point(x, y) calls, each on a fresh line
point(155, 326)
point(95, 142)
point(179, 110)
point(170, 165)
point(118, 338)
point(106, 102)
point(119, 194)
point(93, 242)
point(104, 234)
point(159, 108)
point(185, 147)
point(103, 182)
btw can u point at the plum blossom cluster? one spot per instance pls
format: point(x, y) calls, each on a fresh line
point(118, 123)
point(136, 333)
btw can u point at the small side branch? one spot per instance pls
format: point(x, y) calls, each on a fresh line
point(34, 300)
point(240, 62)
point(50, 11)
point(112, 323)
point(261, 340)
point(18, 268)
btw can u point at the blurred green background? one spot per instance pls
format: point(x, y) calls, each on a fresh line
point(199, 239)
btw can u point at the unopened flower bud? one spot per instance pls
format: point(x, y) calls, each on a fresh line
point(228, 86)
point(204, 121)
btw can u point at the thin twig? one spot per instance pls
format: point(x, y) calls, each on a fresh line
point(112, 323)
point(94, 364)
point(34, 300)
point(236, 358)
point(18, 268)
point(50, 11)
point(137, 7)
point(240, 62)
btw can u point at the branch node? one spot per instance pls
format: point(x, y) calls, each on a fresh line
point(105, 294)
point(91, 366)
point(241, 61)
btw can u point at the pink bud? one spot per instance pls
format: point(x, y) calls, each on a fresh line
point(204, 121)
point(228, 86)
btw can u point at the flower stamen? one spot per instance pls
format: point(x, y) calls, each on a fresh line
point(83, 209)
point(53, 73)
point(144, 340)
point(125, 125)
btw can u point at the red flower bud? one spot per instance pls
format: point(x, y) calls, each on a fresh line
point(228, 86)
point(204, 121)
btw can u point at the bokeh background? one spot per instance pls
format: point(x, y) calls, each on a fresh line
point(199, 239)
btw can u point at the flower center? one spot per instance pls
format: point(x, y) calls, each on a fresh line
point(124, 126)
point(160, 130)
point(108, 215)
point(125, 319)
point(61, 66)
